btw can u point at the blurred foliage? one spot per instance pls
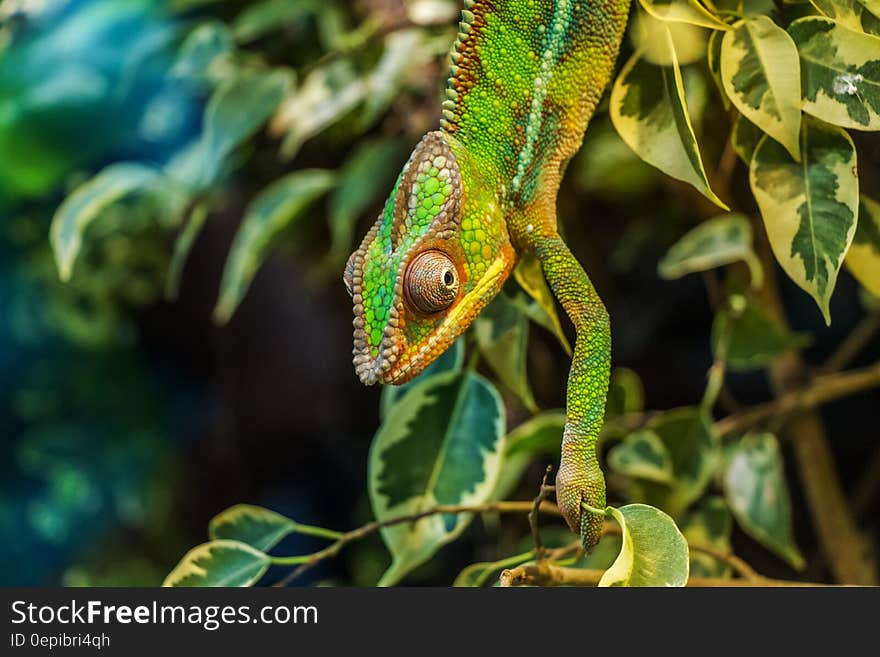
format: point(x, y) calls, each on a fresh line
point(128, 129)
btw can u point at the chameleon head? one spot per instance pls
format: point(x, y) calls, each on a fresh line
point(437, 255)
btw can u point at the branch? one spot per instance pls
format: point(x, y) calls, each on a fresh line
point(374, 526)
point(820, 391)
point(545, 574)
point(536, 508)
point(857, 340)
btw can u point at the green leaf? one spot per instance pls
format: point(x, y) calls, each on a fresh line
point(643, 455)
point(502, 335)
point(236, 110)
point(840, 73)
point(260, 18)
point(88, 201)
point(713, 60)
point(530, 276)
point(755, 489)
point(709, 526)
point(713, 243)
point(328, 94)
point(183, 246)
point(366, 174)
point(202, 47)
point(744, 137)
point(443, 446)
point(450, 360)
point(694, 447)
point(754, 337)
point(649, 112)
point(863, 258)
point(273, 210)
point(253, 525)
point(219, 563)
point(541, 434)
point(653, 552)
point(761, 75)
point(626, 394)
point(809, 207)
point(683, 11)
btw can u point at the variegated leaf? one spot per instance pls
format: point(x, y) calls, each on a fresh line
point(442, 446)
point(649, 111)
point(648, 35)
point(809, 207)
point(863, 259)
point(713, 60)
point(744, 138)
point(683, 11)
point(840, 73)
point(761, 75)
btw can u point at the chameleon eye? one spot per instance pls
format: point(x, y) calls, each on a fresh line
point(431, 282)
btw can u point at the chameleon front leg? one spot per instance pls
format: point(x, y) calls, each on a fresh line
point(579, 478)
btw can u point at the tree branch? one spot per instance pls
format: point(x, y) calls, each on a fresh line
point(857, 340)
point(820, 391)
point(546, 574)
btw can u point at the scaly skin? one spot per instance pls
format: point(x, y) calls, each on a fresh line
point(526, 76)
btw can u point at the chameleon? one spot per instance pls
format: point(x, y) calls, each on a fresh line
point(478, 195)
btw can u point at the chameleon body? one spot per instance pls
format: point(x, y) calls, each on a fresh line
point(480, 193)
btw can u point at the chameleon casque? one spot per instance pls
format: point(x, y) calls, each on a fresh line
point(480, 193)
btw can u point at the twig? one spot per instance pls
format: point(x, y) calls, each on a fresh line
point(867, 487)
point(735, 562)
point(546, 574)
point(374, 526)
point(820, 391)
point(533, 514)
point(857, 340)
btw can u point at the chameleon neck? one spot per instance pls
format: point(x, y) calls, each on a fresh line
point(526, 76)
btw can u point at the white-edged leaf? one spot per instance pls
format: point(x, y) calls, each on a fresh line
point(715, 242)
point(760, 71)
point(709, 526)
point(863, 259)
point(683, 11)
point(541, 434)
point(840, 70)
point(441, 446)
point(530, 276)
point(653, 551)
point(809, 207)
point(649, 112)
point(642, 454)
point(745, 137)
point(219, 563)
point(450, 360)
point(273, 210)
point(253, 525)
point(755, 490)
point(88, 201)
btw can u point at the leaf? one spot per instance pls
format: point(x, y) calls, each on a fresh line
point(840, 72)
point(755, 490)
point(653, 552)
point(648, 35)
point(754, 337)
point(202, 47)
point(844, 12)
point(718, 241)
point(643, 455)
point(541, 434)
point(713, 60)
point(219, 563)
point(761, 75)
point(626, 394)
point(443, 446)
point(260, 18)
point(275, 208)
point(694, 447)
point(236, 111)
point(744, 137)
point(863, 259)
point(530, 276)
point(683, 11)
point(502, 335)
point(366, 174)
point(253, 525)
point(450, 360)
point(328, 94)
point(809, 207)
point(709, 526)
point(183, 246)
point(649, 112)
point(88, 201)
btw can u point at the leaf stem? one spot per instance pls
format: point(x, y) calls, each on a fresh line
point(320, 532)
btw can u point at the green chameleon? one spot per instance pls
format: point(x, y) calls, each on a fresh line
point(480, 193)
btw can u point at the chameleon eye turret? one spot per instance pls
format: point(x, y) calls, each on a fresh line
point(431, 282)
